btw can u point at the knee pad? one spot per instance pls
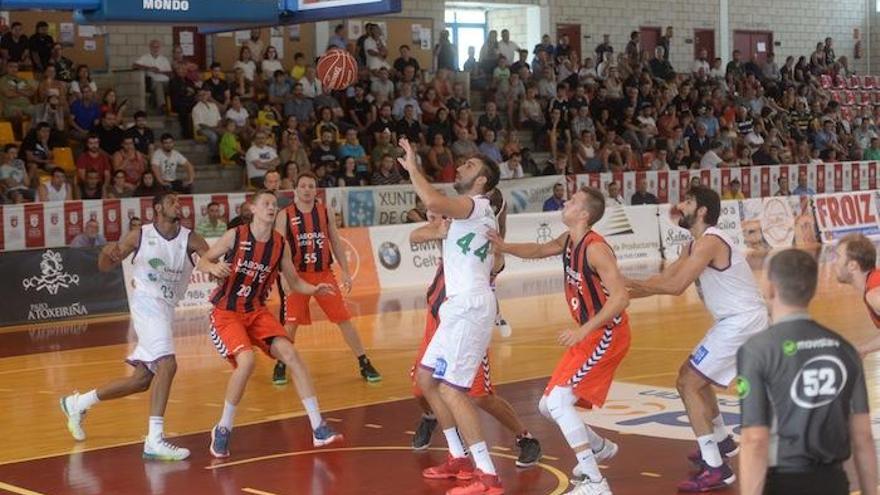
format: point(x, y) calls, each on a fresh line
point(560, 403)
point(542, 408)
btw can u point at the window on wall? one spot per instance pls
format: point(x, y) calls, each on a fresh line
point(467, 28)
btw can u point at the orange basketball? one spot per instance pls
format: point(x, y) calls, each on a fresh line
point(337, 69)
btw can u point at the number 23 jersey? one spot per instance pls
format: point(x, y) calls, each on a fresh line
point(467, 252)
point(162, 267)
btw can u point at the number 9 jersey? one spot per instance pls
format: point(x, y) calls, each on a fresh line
point(467, 252)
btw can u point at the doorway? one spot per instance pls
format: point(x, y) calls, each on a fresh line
point(753, 44)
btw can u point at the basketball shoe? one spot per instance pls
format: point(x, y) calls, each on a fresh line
point(160, 450)
point(586, 486)
point(422, 437)
point(481, 484)
point(324, 435)
point(74, 416)
point(460, 468)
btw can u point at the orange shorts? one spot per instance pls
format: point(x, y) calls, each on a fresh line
point(296, 306)
point(233, 332)
point(482, 385)
point(588, 368)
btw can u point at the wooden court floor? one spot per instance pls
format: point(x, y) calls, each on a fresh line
point(37, 365)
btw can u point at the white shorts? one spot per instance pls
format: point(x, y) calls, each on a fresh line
point(461, 340)
point(715, 356)
point(152, 320)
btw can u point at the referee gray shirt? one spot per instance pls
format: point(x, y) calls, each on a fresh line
point(803, 381)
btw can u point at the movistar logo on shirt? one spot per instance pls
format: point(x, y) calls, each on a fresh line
point(743, 387)
point(790, 347)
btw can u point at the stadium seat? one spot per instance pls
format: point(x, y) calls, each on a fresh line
point(840, 82)
point(26, 75)
point(825, 81)
point(6, 134)
point(855, 82)
point(64, 159)
point(850, 98)
point(868, 82)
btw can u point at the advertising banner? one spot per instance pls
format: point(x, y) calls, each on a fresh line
point(58, 284)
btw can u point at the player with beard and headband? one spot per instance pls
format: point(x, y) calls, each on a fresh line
point(481, 391)
point(597, 299)
point(452, 358)
point(727, 287)
point(248, 260)
point(162, 264)
point(856, 265)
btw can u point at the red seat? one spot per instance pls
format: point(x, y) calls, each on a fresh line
point(840, 82)
point(825, 80)
point(854, 82)
point(850, 98)
point(868, 82)
point(837, 97)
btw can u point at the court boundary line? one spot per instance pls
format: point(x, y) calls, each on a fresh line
point(17, 489)
point(76, 450)
point(562, 480)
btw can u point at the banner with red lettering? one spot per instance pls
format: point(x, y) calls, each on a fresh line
point(840, 214)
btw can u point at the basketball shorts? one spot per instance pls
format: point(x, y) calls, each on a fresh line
point(588, 367)
point(456, 351)
point(715, 356)
point(152, 321)
point(296, 306)
point(482, 382)
point(233, 332)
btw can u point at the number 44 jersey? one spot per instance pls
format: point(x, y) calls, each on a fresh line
point(162, 267)
point(467, 252)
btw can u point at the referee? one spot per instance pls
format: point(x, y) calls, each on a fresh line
point(803, 397)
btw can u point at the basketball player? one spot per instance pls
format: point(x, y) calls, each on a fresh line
point(162, 266)
point(856, 266)
point(310, 229)
point(597, 299)
point(248, 259)
point(728, 288)
point(467, 317)
point(481, 390)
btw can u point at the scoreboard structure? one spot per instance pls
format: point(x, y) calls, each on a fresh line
point(210, 15)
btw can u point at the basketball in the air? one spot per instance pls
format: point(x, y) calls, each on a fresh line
point(337, 69)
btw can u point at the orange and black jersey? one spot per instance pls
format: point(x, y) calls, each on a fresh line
point(253, 267)
point(584, 290)
point(309, 237)
point(437, 292)
point(872, 283)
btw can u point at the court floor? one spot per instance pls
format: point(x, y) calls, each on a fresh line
point(271, 448)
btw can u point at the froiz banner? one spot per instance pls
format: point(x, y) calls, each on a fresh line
point(58, 284)
point(844, 213)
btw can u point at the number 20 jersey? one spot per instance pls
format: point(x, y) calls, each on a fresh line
point(162, 267)
point(467, 252)
point(254, 266)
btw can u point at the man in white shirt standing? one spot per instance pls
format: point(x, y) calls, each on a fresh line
point(164, 164)
point(158, 69)
point(702, 62)
point(260, 158)
point(206, 119)
point(506, 47)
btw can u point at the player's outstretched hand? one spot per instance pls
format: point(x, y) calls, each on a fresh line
point(323, 290)
point(570, 338)
point(114, 253)
point(496, 240)
point(220, 269)
point(408, 160)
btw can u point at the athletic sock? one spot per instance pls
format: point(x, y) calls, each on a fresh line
point(228, 416)
point(157, 427)
point(719, 431)
point(709, 450)
point(587, 464)
point(456, 449)
point(480, 454)
point(311, 405)
point(429, 416)
point(524, 434)
point(86, 400)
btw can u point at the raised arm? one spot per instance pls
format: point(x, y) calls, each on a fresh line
point(432, 231)
point(677, 279)
point(528, 250)
point(448, 206)
point(114, 252)
point(602, 260)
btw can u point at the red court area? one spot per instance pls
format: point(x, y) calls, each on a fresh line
point(277, 458)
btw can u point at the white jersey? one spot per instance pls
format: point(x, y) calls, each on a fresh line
point(467, 252)
point(53, 194)
point(162, 267)
point(730, 290)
